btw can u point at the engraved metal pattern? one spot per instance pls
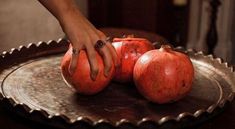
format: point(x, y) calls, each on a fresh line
point(31, 85)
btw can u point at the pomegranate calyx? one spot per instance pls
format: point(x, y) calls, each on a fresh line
point(166, 48)
point(128, 36)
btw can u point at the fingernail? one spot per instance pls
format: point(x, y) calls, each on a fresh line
point(93, 76)
point(71, 71)
point(117, 64)
point(106, 72)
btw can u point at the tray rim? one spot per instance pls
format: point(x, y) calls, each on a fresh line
point(4, 56)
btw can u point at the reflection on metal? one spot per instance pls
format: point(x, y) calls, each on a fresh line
point(31, 84)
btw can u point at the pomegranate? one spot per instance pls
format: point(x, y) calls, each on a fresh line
point(129, 49)
point(81, 79)
point(163, 75)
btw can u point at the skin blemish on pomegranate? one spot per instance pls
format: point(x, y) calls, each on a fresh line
point(129, 49)
point(166, 68)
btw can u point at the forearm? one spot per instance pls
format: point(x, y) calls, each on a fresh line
point(81, 34)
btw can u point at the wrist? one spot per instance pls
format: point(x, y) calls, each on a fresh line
point(68, 14)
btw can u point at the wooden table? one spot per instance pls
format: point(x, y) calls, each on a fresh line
point(9, 120)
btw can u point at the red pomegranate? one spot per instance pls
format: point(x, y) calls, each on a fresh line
point(163, 75)
point(129, 49)
point(80, 79)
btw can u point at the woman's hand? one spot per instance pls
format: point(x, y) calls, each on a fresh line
point(82, 35)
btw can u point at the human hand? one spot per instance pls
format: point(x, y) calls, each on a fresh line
point(82, 35)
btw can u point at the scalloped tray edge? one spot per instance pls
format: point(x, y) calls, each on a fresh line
point(23, 107)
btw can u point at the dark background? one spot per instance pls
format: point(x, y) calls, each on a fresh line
point(25, 21)
point(159, 16)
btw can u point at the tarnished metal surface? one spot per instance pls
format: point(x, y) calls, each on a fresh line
point(35, 84)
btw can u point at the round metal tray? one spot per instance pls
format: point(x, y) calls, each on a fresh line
point(32, 86)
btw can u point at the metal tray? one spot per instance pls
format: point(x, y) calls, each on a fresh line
point(32, 86)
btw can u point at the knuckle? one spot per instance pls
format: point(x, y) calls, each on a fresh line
point(101, 34)
point(103, 37)
point(93, 56)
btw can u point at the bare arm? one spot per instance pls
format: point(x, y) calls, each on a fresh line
point(81, 33)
